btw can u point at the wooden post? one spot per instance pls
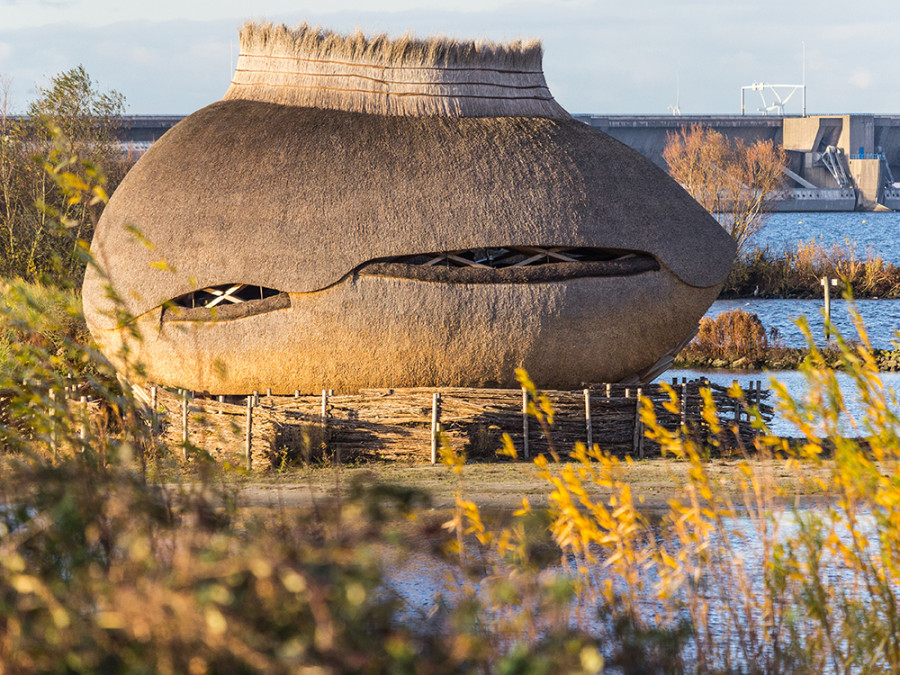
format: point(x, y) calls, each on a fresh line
point(53, 421)
point(627, 392)
point(525, 446)
point(435, 425)
point(608, 390)
point(249, 443)
point(82, 431)
point(296, 393)
point(255, 398)
point(221, 398)
point(737, 404)
point(824, 283)
point(324, 416)
point(587, 419)
point(684, 403)
point(638, 426)
point(184, 423)
point(153, 404)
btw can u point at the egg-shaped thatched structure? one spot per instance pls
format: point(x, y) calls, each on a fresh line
point(365, 212)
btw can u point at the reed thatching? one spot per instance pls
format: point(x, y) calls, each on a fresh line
point(375, 331)
point(310, 202)
point(295, 199)
point(312, 67)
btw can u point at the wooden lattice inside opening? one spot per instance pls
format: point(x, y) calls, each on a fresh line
point(223, 295)
point(511, 256)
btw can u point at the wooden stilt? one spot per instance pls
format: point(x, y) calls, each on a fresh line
point(435, 425)
point(587, 419)
point(525, 446)
point(249, 442)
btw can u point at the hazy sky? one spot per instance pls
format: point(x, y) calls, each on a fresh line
point(626, 56)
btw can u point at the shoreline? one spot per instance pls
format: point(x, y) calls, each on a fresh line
point(502, 486)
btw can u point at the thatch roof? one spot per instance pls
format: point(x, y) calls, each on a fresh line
point(312, 67)
point(295, 198)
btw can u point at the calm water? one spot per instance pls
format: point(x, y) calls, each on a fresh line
point(796, 386)
point(881, 318)
point(876, 232)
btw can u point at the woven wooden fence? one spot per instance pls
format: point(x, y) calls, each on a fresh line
point(401, 424)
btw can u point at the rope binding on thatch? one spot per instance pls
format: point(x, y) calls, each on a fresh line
point(312, 67)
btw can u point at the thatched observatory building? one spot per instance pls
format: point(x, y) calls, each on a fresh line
point(365, 212)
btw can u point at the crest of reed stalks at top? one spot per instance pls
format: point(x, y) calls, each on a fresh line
point(313, 67)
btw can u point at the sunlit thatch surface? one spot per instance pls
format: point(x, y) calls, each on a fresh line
point(312, 67)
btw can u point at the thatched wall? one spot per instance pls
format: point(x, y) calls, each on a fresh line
point(374, 331)
point(296, 198)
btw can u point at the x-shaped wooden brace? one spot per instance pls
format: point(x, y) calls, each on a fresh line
point(223, 296)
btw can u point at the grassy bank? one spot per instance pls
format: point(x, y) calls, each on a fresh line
point(795, 273)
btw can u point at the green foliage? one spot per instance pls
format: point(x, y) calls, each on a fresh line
point(40, 226)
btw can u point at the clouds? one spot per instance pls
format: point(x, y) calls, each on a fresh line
point(600, 56)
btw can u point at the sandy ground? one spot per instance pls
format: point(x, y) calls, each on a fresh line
point(502, 486)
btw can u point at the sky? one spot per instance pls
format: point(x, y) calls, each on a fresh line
point(600, 56)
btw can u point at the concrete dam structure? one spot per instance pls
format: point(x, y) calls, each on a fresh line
point(837, 162)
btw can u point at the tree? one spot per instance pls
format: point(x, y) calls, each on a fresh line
point(734, 181)
point(71, 122)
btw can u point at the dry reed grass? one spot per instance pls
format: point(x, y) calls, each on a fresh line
point(317, 42)
point(796, 272)
point(313, 67)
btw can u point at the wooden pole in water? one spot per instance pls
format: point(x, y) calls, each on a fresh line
point(435, 425)
point(525, 448)
point(827, 283)
point(587, 419)
point(249, 442)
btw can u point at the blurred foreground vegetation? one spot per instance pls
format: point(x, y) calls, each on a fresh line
point(105, 569)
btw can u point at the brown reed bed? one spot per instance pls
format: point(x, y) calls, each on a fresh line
point(795, 273)
point(738, 340)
